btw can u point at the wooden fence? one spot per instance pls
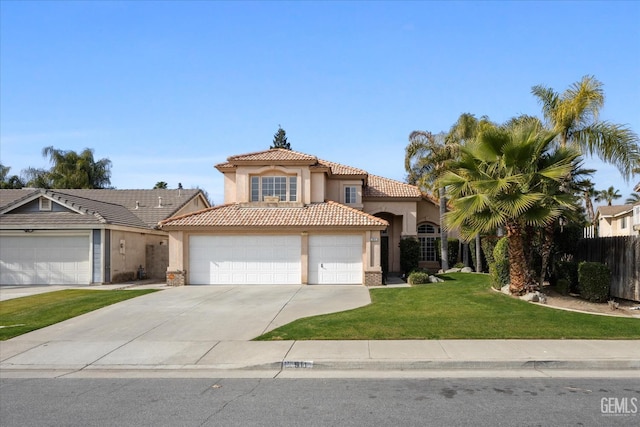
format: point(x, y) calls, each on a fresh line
point(622, 255)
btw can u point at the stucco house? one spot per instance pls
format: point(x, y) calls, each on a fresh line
point(617, 220)
point(291, 218)
point(80, 237)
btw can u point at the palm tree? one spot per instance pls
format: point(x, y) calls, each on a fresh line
point(589, 192)
point(503, 179)
point(632, 199)
point(426, 158)
point(574, 116)
point(73, 170)
point(608, 195)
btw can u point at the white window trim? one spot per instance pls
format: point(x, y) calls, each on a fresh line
point(45, 204)
point(354, 188)
point(287, 190)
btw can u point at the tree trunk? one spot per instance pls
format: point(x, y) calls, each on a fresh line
point(444, 244)
point(478, 254)
point(547, 243)
point(518, 266)
point(589, 205)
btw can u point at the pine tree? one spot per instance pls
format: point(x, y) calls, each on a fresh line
point(280, 139)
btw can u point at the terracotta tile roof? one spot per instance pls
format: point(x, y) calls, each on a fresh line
point(379, 187)
point(338, 169)
point(328, 214)
point(274, 154)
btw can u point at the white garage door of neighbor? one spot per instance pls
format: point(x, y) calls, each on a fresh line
point(335, 260)
point(244, 260)
point(45, 260)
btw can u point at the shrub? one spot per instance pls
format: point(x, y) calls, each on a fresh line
point(562, 286)
point(594, 280)
point(458, 265)
point(419, 278)
point(568, 270)
point(499, 270)
point(409, 254)
point(488, 243)
point(452, 248)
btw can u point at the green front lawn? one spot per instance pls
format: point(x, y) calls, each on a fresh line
point(464, 307)
point(21, 315)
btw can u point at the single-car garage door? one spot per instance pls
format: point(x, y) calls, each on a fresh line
point(45, 260)
point(240, 260)
point(335, 260)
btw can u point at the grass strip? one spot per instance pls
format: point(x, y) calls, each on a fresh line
point(21, 315)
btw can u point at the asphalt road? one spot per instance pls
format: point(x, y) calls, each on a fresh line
point(319, 402)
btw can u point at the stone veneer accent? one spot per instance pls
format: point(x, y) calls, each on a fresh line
point(176, 278)
point(372, 278)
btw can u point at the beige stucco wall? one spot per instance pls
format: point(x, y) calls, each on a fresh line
point(237, 184)
point(318, 182)
point(405, 209)
point(428, 212)
point(611, 227)
point(134, 254)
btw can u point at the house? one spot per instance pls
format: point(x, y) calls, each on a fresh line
point(291, 218)
point(80, 237)
point(618, 220)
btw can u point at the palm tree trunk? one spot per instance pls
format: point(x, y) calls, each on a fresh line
point(518, 270)
point(589, 205)
point(444, 244)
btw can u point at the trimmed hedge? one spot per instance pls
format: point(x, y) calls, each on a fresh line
point(568, 270)
point(409, 254)
point(499, 270)
point(595, 280)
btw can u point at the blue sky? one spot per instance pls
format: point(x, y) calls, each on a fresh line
point(168, 89)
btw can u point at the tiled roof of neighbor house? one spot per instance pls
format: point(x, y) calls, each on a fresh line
point(614, 210)
point(385, 187)
point(328, 214)
point(103, 206)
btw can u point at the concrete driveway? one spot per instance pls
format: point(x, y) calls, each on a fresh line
point(176, 326)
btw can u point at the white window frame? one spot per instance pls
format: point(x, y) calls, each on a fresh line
point(428, 234)
point(257, 193)
point(350, 194)
point(45, 204)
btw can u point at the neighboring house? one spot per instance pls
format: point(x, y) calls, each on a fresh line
point(79, 237)
point(291, 218)
point(617, 220)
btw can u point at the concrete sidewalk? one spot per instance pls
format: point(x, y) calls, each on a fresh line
point(322, 358)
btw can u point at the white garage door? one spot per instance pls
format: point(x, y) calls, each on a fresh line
point(45, 260)
point(335, 260)
point(239, 260)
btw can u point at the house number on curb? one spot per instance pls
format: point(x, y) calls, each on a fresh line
point(296, 364)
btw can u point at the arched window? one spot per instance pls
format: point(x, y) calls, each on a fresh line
point(428, 233)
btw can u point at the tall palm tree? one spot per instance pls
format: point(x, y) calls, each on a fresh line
point(574, 116)
point(502, 180)
point(608, 195)
point(426, 158)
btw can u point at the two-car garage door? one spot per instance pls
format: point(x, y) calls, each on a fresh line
point(45, 260)
point(233, 260)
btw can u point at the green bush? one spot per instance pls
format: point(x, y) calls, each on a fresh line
point(594, 279)
point(458, 265)
point(562, 286)
point(409, 254)
point(499, 270)
point(488, 243)
point(568, 270)
point(418, 278)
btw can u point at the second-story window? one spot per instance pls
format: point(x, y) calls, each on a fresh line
point(283, 187)
point(350, 194)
